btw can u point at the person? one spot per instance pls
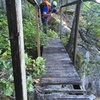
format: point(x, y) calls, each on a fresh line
point(48, 10)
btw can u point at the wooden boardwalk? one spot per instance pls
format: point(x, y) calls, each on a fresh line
point(61, 81)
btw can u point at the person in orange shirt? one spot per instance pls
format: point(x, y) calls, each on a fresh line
point(46, 13)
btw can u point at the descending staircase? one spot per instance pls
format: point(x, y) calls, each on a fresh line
point(61, 81)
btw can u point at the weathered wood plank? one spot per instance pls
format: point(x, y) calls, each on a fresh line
point(63, 90)
point(62, 62)
point(54, 50)
point(58, 81)
point(59, 71)
point(55, 60)
point(67, 71)
point(54, 42)
point(65, 97)
point(56, 55)
point(60, 74)
point(62, 66)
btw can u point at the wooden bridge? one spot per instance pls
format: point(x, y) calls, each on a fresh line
point(61, 81)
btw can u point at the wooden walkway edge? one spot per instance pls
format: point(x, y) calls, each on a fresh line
point(57, 57)
point(61, 78)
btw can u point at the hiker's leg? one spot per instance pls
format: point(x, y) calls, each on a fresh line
point(45, 28)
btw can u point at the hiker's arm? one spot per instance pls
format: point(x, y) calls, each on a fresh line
point(47, 14)
point(55, 11)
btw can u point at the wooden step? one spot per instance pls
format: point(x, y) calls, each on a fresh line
point(60, 81)
point(63, 90)
point(60, 74)
point(54, 50)
point(64, 97)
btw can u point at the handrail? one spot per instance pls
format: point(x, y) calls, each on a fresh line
point(33, 2)
point(36, 5)
point(69, 4)
point(76, 22)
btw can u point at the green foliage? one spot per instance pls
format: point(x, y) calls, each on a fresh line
point(91, 23)
point(91, 19)
point(4, 40)
point(65, 39)
point(29, 24)
point(83, 66)
point(52, 34)
point(6, 78)
point(35, 67)
point(30, 35)
point(34, 70)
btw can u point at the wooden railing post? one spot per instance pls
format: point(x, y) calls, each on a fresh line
point(77, 14)
point(60, 22)
point(37, 30)
point(14, 16)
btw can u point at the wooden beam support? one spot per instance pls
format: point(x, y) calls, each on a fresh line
point(69, 4)
point(33, 2)
point(14, 16)
point(77, 14)
point(37, 30)
point(77, 1)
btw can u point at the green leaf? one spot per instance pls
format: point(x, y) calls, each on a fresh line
point(8, 91)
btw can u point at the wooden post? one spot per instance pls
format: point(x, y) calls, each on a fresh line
point(37, 30)
point(60, 22)
point(77, 13)
point(14, 15)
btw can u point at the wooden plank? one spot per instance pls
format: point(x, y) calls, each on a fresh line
point(56, 55)
point(66, 72)
point(55, 41)
point(54, 50)
point(61, 62)
point(60, 75)
point(72, 91)
point(14, 16)
point(57, 62)
point(57, 59)
point(52, 68)
point(54, 45)
point(64, 97)
point(59, 81)
point(61, 65)
point(56, 68)
point(63, 68)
